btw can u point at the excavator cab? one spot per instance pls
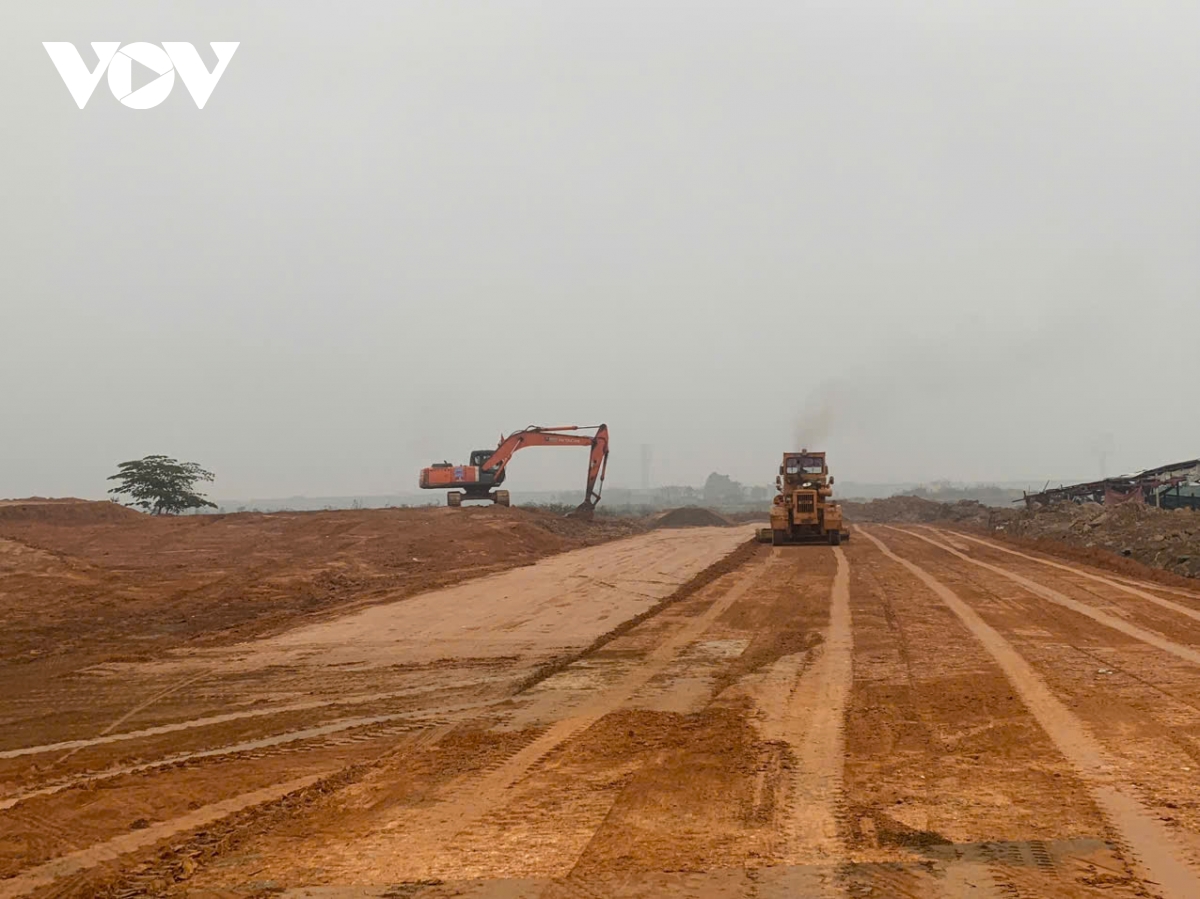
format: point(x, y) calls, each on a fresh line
point(486, 478)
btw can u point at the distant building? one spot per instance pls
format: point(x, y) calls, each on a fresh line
point(1174, 486)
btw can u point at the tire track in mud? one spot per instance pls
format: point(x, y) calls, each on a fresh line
point(278, 742)
point(1157, 857)
point(76, 862)
point(729, 803)
point(1118, 624)
point(1194, 614)
point(1141, 704)
point(423, 840)
point(953, 788)
point(812, 723)
point(211, 720)
point(1162, 588)
point(140, 707)
point(312, 738)
point(814, 727)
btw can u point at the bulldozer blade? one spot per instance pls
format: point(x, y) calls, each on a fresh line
point(783, 538)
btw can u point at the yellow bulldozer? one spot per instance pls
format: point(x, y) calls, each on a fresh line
point(804, 510)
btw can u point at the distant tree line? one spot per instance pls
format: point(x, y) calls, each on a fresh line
point(719, 490)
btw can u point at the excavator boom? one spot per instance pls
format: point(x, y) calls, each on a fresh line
point(487, 467)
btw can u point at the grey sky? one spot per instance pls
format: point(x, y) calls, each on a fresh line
point(941, 239)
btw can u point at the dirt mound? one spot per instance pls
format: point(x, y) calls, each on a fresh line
point(602, 527)
point(692, 517)
point(80, 577)
point(916, 510)
point(1164, 539)
point(749, 515)
point(65, 511)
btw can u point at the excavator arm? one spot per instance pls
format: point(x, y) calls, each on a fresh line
point(535, 436)
point(597, 465)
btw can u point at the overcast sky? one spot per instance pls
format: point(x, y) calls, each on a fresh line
point(939, 239)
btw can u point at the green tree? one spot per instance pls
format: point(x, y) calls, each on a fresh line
point(161, 485)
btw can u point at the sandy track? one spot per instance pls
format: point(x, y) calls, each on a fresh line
point(560, 604)
point(932, 717)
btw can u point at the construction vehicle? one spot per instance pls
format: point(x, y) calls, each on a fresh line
point(480, 479)
point(804, 510)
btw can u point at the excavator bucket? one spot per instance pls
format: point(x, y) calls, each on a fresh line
point(585, 511)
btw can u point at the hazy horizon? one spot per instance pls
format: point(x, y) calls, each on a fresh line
point(948, 242)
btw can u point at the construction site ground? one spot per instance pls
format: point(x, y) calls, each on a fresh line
point(348, 705)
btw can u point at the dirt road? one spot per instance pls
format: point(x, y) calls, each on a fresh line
point(916, 714)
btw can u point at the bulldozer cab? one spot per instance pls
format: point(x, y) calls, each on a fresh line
point(803, 468)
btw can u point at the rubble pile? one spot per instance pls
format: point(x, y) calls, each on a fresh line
point(1160, 538)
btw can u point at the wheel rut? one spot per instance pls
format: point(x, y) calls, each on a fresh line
point(1158, 856)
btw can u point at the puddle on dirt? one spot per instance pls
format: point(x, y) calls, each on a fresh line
point(680, 694)
point(549, 699)
point(585, 675)
point(721, 649)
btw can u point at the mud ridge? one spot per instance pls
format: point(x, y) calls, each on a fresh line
point(721, 567)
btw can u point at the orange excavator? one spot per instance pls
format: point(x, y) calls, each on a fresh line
point(486, 470)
